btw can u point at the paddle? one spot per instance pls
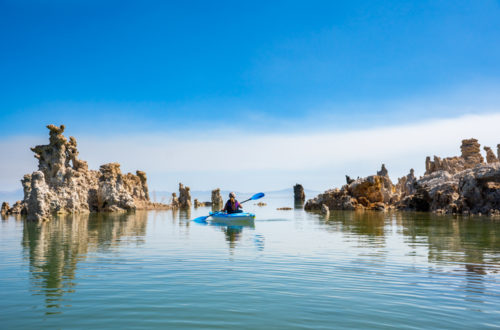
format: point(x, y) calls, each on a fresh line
point(254, 197)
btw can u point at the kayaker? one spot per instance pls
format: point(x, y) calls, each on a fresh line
point(232, 205)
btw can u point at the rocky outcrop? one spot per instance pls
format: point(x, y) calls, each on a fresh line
point(175, 201)
point(348, 179)
point(19, 207)
point(197, 203)
point(5, 208)
point(462, 184)
point(490, 155)
point(471, 152)
point(39, 201)
point(383, 171)
point(113, 193)
point(184, 197)
point(217, 200)
point(298, 193)
point(406, 185)
point(475, 190)
point(471, 156)
point(375, 192)
point(64, 184)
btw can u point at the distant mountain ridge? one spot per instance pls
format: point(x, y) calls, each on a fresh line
point(11, 196)
point(205, 195)
point(162, 195)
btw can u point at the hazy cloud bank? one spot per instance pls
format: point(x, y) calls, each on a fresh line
point(246, 162)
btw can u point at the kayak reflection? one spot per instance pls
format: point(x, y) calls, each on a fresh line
point(232, 232)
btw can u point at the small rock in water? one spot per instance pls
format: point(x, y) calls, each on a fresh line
point(261, 204)
point(5, 208)
point(284, 208)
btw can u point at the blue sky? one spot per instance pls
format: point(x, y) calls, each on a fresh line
point(113, 68)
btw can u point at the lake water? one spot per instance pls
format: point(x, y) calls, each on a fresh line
point(290, 269)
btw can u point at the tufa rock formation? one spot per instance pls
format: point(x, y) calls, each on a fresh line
point(375, 192)
point(464, 184)
point(471, 156)
point(490, 156)
point(383, 171)
point(298, 193)
point(406, 185)
point(184, 197)
point(201, 204)
point(217, 200)
point(175, 201)
point(324, 209)
point(5, 208)
point(64, 184)
point(348, 179)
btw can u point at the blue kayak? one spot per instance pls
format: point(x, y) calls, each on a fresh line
point(232, 217)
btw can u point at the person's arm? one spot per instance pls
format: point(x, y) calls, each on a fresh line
point(239, 205)
point(225, 208)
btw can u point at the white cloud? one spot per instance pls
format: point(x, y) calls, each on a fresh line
point(248, 162)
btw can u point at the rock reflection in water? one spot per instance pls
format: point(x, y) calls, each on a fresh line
point(369, 226)
point(298, 205)
point(473, 243)
point(55, 247)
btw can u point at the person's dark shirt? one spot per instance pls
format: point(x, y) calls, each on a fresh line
point(230, 207)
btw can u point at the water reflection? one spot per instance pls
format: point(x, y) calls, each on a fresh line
point(233, 234)
point(298, 205)
point(472, 243)
point(368, 226)
point(469, 246)
point(54, 248)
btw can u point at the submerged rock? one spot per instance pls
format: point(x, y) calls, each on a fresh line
point(64, 184)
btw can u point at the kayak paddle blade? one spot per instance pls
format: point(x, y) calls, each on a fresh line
point(257, 196)
point(201, 219)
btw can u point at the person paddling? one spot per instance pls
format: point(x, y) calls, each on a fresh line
point(232, 205)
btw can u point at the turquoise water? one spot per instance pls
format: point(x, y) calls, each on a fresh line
point(287, 270)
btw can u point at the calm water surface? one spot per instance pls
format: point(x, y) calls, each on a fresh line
point(290, 269)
